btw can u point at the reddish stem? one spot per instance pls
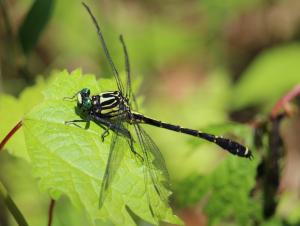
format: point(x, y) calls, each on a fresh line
point(284, 100)
point(50, 212)
point(10, 134)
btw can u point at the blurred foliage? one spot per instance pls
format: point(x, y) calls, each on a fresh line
point(271, 75)
point(225, 193)
point(218, 11)
point(184, 50)
point(34, 23)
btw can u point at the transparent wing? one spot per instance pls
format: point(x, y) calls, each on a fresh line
point(155, 164)
point(105, 49)
point(128, 92)
point(114, 159)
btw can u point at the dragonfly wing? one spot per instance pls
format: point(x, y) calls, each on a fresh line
point(155, 164)
point(114, 159)
point(128, 92)
point(105, 49)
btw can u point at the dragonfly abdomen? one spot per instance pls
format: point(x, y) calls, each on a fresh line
point(227, 144)
point(233, 147)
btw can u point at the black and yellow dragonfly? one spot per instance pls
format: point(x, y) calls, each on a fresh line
point(117, 110)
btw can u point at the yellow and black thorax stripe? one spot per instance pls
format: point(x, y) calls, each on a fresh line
point(109, 104)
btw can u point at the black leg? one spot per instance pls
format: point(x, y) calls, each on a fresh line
point(105, 133)
point(136, 154)
point(123, 131)
point(87, 125)
point(106, 127)
point(73, 122)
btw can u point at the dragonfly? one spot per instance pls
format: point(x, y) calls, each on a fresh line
point(117, 110)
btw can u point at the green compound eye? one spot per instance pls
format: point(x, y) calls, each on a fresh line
point(87, 104)
point(85, 92)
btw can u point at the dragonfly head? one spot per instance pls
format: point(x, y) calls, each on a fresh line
point(84, 101)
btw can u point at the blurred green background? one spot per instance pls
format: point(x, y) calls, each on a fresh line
point(212, 65)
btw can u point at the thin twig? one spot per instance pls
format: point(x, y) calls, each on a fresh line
point(10, 134)
point(284, 100)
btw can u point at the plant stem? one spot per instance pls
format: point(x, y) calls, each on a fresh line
point(12, 206)
point(10, 134)
point(50, 212)
point(289, 96)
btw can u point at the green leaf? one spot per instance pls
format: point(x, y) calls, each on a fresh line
point(12, 111)
point(229, 192)
point(225, 193)
point(272, 74)
point(189, 191)
point(34, 23)
point(71, 161)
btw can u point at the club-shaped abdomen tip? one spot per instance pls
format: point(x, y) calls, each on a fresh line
point(242, 151)
point(248, 153)
point(233, 147)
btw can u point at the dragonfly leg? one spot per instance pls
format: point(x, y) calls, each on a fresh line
point(136, 154)
point(140, 158)
point(105, 133)
point(73, 122)
point(105, 125)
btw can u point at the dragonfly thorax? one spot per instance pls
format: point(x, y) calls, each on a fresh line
point(110, 104)
point(107, 104)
